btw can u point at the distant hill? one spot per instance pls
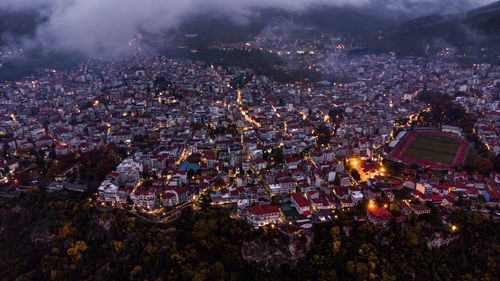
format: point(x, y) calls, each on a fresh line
point(486, 19)
point(212, 28)
point(17, 24)
point(476, 33)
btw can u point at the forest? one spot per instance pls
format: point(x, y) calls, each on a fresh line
point(67, 236)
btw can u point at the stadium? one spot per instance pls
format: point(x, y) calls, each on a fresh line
point(431, 148)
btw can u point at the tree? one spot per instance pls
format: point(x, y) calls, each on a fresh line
point(190, 173)
point(483, 165)
point(5, 150)
point(355, 174)
point(337, 180)
point(32, 166)
point(336, 115)
point(24, 178)
point(392, 167)
point(104, 167)
point(322, 134)
point(83, 171)
point(276, 200)
point(411, 237)
point(52, 155)
point(194, 158)
point(335, 233)
point(414, 166)
point(205, 201)
point(278, 156)
point(496, 163)
point(145, 175)
point(219, 182)
point(134, 272)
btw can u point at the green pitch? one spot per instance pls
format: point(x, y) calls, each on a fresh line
point(433, 148)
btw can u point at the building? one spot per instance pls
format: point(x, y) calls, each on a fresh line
point(145, 197)
point(424, 188)
point(300, 203)
point(451, 129)
point(62, 150)
point(122, 194)
point(129, 170)
point(288, 185)
point(421, 209)
point(263, 214)
point(107, 192)
point(174, 196)
point(75, 187)
point(379, 216)
point(246, 165)
point(403, 208)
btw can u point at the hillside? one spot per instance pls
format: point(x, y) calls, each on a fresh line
point(63, 236)
point(476, 33)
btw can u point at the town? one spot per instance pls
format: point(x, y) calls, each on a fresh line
point(155, 135)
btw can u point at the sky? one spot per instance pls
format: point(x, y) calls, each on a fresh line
point(106, 26)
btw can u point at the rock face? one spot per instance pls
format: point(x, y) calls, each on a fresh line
point(105, 222)
point(41, 233)
point(273, 253)
point(438, 239)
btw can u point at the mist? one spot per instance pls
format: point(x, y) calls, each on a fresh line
point(111, 27)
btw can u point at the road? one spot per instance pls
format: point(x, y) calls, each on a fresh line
point(170, 215)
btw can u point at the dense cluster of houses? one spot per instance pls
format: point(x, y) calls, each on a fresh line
point(246, 139)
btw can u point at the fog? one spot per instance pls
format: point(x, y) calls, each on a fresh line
point(106, 27)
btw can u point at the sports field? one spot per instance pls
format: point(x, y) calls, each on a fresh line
point(431, 147)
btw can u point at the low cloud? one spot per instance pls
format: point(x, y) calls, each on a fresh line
point(105, 27)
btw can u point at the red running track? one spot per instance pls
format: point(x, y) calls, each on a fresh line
point(398, 153)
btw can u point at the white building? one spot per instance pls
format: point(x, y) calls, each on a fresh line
point(107, 192)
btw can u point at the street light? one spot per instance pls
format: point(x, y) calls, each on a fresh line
point(371, 205)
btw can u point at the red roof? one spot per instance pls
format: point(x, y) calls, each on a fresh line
point(472, 191)
point(168, 195)
point(12, 186)
point(46, 137)
point(400, 219)
point(301, 201)
point(436, 198)
point(380, 213)
point(126, 189)
point(263, 210)
point(209, 155)
point(320, 202)
point(494, 195)
point(287, 181)
point(180, 190)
